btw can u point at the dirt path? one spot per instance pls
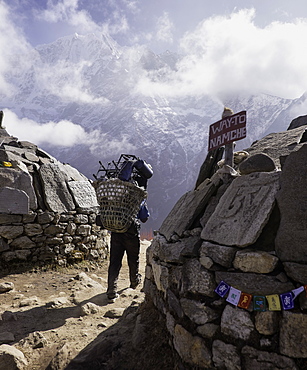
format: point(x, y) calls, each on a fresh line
point(48, 310)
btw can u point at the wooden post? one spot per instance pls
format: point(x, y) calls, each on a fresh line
point(229, 148)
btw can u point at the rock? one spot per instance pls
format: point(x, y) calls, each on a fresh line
point(266, 322)
point(220, 254)
point(45, 217)
point(290, 242)
point(236, 323)
point(31, 301)
point(188, 208)
point(34, 340)
point(207, 330)
point(255, 261)
point(207, 169)
point(11, 358)
point(298, 122)
point(58, 302)
point(6, 337)
point(6, 287)
point(115, 313)
point(279, 144)
point(3, 245)
point(247, 203)
point(257, 163)
point(296, 271)
point(20, 180)
point(191, 348)
point(197, 312)
point(85, 287)
point(10, 219)
point(293, 339)
point(89, 309)
point(254, 359)
point(174, 304)
point(197, 280)
point(33, 229)
point(14, 201)
point(174, 252)
point(254, 283)
point(225, 356)
point(62, 357)
point(160, 274)
point(57, 196)
point(23, 242)
point(11, 232)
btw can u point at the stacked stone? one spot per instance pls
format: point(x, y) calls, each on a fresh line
point(47, 209)
point(250, 232)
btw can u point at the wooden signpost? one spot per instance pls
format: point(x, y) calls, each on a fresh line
point(225, 132)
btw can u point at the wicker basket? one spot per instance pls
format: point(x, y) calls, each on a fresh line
point(119, 203)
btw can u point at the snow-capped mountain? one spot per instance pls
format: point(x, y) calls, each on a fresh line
point(95, 83)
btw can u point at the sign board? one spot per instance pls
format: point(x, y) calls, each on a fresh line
point(227, 130)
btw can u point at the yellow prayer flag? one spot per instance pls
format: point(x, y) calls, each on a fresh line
point(273, 302)
point(7, 164)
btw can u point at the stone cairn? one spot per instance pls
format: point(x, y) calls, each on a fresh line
point(47, 209)
point(228, 267)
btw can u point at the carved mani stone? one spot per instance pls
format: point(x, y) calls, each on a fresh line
point(243, 210)
point(13, 201)
point(57, 196)
point(83, 193)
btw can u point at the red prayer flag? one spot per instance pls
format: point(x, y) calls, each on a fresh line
point(245, 300)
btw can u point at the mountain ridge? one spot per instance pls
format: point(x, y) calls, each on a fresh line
point(93, 81)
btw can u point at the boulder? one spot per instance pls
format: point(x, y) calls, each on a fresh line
point(255, 261)
point(293, 338)
point(279, 144)
point(254, 359)
point(290, 242)
point(254, 283)
point(257, 163)
point(188, 208)
point(220, 254)
point(12, 358)
point(191, 349)
point(225, 356)
point(236, 323)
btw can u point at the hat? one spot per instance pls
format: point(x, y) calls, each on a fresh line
point(227, 112)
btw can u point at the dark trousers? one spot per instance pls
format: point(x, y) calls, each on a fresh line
point(121, 243)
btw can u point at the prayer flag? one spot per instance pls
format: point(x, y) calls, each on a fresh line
point(259, 303)
point(233, 296)
point(297, 291)
point(222, 289)
point(287, 301)
point(274, 302)
point(245, 300)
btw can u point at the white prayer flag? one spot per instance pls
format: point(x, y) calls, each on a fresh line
point(297, 291)
point(234, 296)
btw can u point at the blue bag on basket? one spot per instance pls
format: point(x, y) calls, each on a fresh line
point(143, 214)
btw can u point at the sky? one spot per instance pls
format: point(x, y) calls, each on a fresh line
point(253, 46)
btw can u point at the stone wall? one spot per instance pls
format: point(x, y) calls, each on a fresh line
point(47, 209)
point(228, 267)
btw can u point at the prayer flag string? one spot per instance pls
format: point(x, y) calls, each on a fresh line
point(272, 302)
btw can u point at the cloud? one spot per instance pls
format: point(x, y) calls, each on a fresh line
point(67, 80)
point(230, 54)
point(64, 134)
point(12, 42)
point(164, 28)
